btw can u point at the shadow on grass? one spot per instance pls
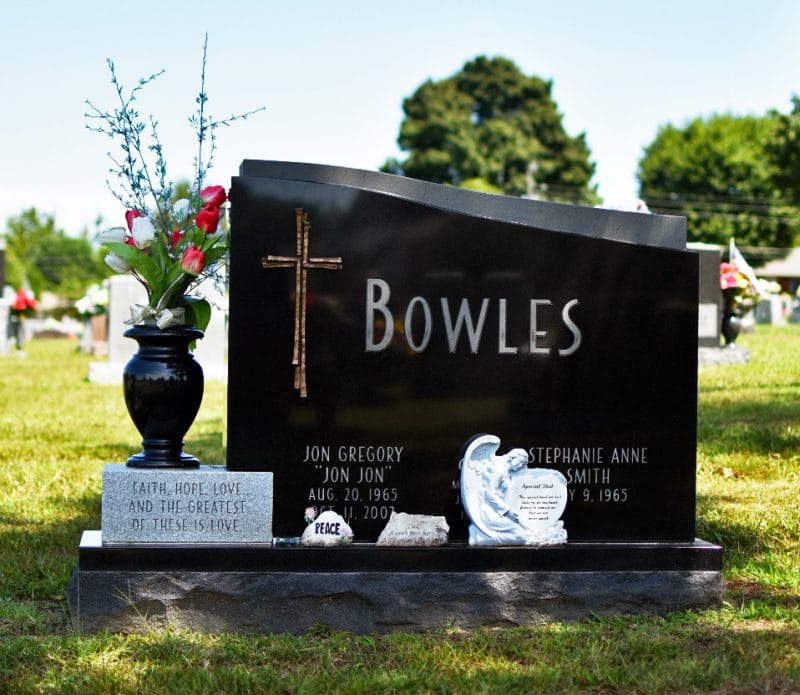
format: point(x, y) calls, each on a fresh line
point(761, 427)
point(647, 655)
point(741, 591)
point(744, 546)
point(37, 557)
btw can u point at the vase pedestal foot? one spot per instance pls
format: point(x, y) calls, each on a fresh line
point(162, 453)
point(141, 460)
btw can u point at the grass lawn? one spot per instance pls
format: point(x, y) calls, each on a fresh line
point(57, 430)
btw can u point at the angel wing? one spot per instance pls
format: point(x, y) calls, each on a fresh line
point(478, 453)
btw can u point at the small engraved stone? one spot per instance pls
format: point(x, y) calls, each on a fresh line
point(414, 529)
point(328, 529)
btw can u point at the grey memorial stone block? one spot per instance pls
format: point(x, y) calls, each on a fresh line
point(209, 505)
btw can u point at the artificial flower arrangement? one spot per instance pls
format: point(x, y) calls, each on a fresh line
point(171, 243)
point(94, 302)
point(24, 303)
point(736, 288)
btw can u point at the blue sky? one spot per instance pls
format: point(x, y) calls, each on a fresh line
point(333, 76)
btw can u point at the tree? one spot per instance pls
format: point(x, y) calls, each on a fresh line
point(491, 126)
point(784, 148)
point(719, 173)
point(45, 257)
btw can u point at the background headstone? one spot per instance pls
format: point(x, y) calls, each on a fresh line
point(709, 298)
point(124, 292)
point(5, 311)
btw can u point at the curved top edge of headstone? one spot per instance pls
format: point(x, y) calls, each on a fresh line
point(664, 231)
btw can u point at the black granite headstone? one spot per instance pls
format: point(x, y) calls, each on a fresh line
point(377, 323)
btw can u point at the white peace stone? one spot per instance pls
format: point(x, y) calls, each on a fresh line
point(329, 528)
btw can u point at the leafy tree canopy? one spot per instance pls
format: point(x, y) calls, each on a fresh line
point(784, 148)
point(720, 174)
point(48, 259)
point(490, 127)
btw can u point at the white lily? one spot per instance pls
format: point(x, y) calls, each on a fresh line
point(143, 232)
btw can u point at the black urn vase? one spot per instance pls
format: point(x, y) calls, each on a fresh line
point(163, 387)
point(731, 325)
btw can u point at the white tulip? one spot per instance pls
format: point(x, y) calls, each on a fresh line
point(182, 208)
point(117, 264)
point(112, 235)
point(143, 232)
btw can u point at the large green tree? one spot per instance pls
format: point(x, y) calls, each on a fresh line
point(784, 148)
point(44, 256)
point(720, 173)
point(491, 127)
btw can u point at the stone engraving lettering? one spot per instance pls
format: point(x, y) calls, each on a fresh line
point(206, 506)
point(463, 323)
point(353, 480)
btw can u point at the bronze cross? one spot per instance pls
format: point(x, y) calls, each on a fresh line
point(301, 264)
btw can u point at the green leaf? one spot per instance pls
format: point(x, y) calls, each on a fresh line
point(198, 312)
point(142, 264)
point(174, 273)
point(214, 254)
point(159, 253)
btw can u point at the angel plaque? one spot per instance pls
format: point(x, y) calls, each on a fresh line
point(507, 502)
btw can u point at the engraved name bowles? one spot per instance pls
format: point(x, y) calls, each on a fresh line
point(466, 320)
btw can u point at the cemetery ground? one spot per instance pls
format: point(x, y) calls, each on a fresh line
point(57, 430)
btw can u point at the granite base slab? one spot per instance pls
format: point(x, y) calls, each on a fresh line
point(370, 589)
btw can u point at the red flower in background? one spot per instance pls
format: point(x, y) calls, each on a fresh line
point(24, 301)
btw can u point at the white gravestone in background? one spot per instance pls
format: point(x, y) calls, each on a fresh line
point(125, 291)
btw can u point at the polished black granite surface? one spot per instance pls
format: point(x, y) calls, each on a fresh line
point(430, 315)
point(367, 557)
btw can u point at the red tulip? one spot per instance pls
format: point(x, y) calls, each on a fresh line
point(130, 216)
point(24, 300)
point(208, 218)
point(175, 238)
point(213, 195)
point(192, 260)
